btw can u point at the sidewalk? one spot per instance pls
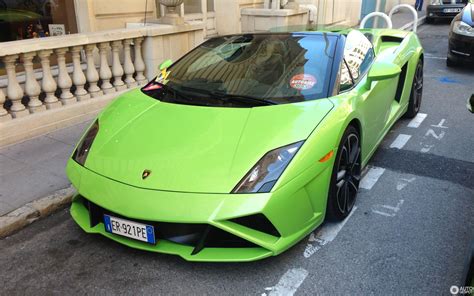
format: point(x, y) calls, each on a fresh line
point(35, 169)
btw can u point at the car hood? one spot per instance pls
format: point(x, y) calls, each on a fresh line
point(193, 148)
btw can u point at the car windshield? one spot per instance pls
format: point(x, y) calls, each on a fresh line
point(253, 70)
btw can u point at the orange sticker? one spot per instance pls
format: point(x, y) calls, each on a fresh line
point(303, 81)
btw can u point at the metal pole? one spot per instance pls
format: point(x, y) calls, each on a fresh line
point(377, 9)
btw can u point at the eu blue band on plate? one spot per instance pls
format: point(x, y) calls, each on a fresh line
point(150, 234)
point(108, 225)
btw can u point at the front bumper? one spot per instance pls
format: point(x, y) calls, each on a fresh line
point(439, 11)
point(461, 48)
point(219, 211)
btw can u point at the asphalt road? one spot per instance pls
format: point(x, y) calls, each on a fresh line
point(409, 233)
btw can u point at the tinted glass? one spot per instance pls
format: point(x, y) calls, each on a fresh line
point(358, 53)
point(281, 68)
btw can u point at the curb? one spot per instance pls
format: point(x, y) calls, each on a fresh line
point(29, 213)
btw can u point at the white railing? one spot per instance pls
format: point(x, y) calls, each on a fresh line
point(57, 81)
point(127, 70)
point(388, 18)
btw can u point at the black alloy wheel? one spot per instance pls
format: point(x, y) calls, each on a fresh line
point(416, 92)
point(346, 176)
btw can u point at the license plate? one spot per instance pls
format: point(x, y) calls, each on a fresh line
point(449, 10)
point(134, 230)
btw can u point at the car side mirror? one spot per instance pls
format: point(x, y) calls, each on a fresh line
point(165, 65)
point(381, 71)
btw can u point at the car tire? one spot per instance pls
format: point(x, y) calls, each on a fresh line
point(450, 63)
point(429, 20)
point(416, 93)
point(345, 176)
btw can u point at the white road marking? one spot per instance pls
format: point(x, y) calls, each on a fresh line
point(431, 56)
point(415, 122)
point(289, 282)
point(426, 148)
point(364, 171)
point(404, 182)
point(329, 231)
point(434, 134)
point(372, 176)
point(436, 58)
point(324, 235)
point(310, 250)
point(386, 210)
point(400, 141)
point(440, 124)
point(382, 213)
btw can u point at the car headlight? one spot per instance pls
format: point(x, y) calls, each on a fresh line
point(268, 169)
point(462, 28)
point(436, 2)
point(82, 150)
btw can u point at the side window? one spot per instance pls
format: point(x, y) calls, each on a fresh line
point(358, 54)
point(345, 78)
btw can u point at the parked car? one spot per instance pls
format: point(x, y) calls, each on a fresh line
point(444, 9)
point(461, 37)
point(246, 144)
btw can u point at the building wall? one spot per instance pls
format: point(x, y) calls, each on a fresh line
point(228, 18)
point(98, 15)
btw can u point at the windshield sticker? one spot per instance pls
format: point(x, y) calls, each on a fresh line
point(303, 81)
point(162, 78)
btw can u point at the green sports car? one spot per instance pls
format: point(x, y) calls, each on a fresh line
point(246, 144)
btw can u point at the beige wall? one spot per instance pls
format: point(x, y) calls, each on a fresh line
point(98, 15)
point(228, 18)
point(346, 12)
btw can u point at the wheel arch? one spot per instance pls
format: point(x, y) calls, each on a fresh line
point(355, 122)
point(352, 120)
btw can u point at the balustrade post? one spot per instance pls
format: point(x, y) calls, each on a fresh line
point(64, 80)
point(78, 77)
point(4, 115)
point(14, 90)
point(139, 63)
point(32, 87)
point(48, 84)
point(117, 69)
point(104, 71)
point(92, 74)
point(129, 69)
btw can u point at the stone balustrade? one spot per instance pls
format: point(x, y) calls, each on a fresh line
point(50, 92)
point(44, 76)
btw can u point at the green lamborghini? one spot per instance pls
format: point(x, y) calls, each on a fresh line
point(246, 144)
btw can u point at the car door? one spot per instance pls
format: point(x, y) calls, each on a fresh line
point(374, 104)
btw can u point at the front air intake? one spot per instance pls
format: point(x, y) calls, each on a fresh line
point(258, 222)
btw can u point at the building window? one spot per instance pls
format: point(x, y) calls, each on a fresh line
point(26, 19)
point(192, 6)
point(210, 5)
